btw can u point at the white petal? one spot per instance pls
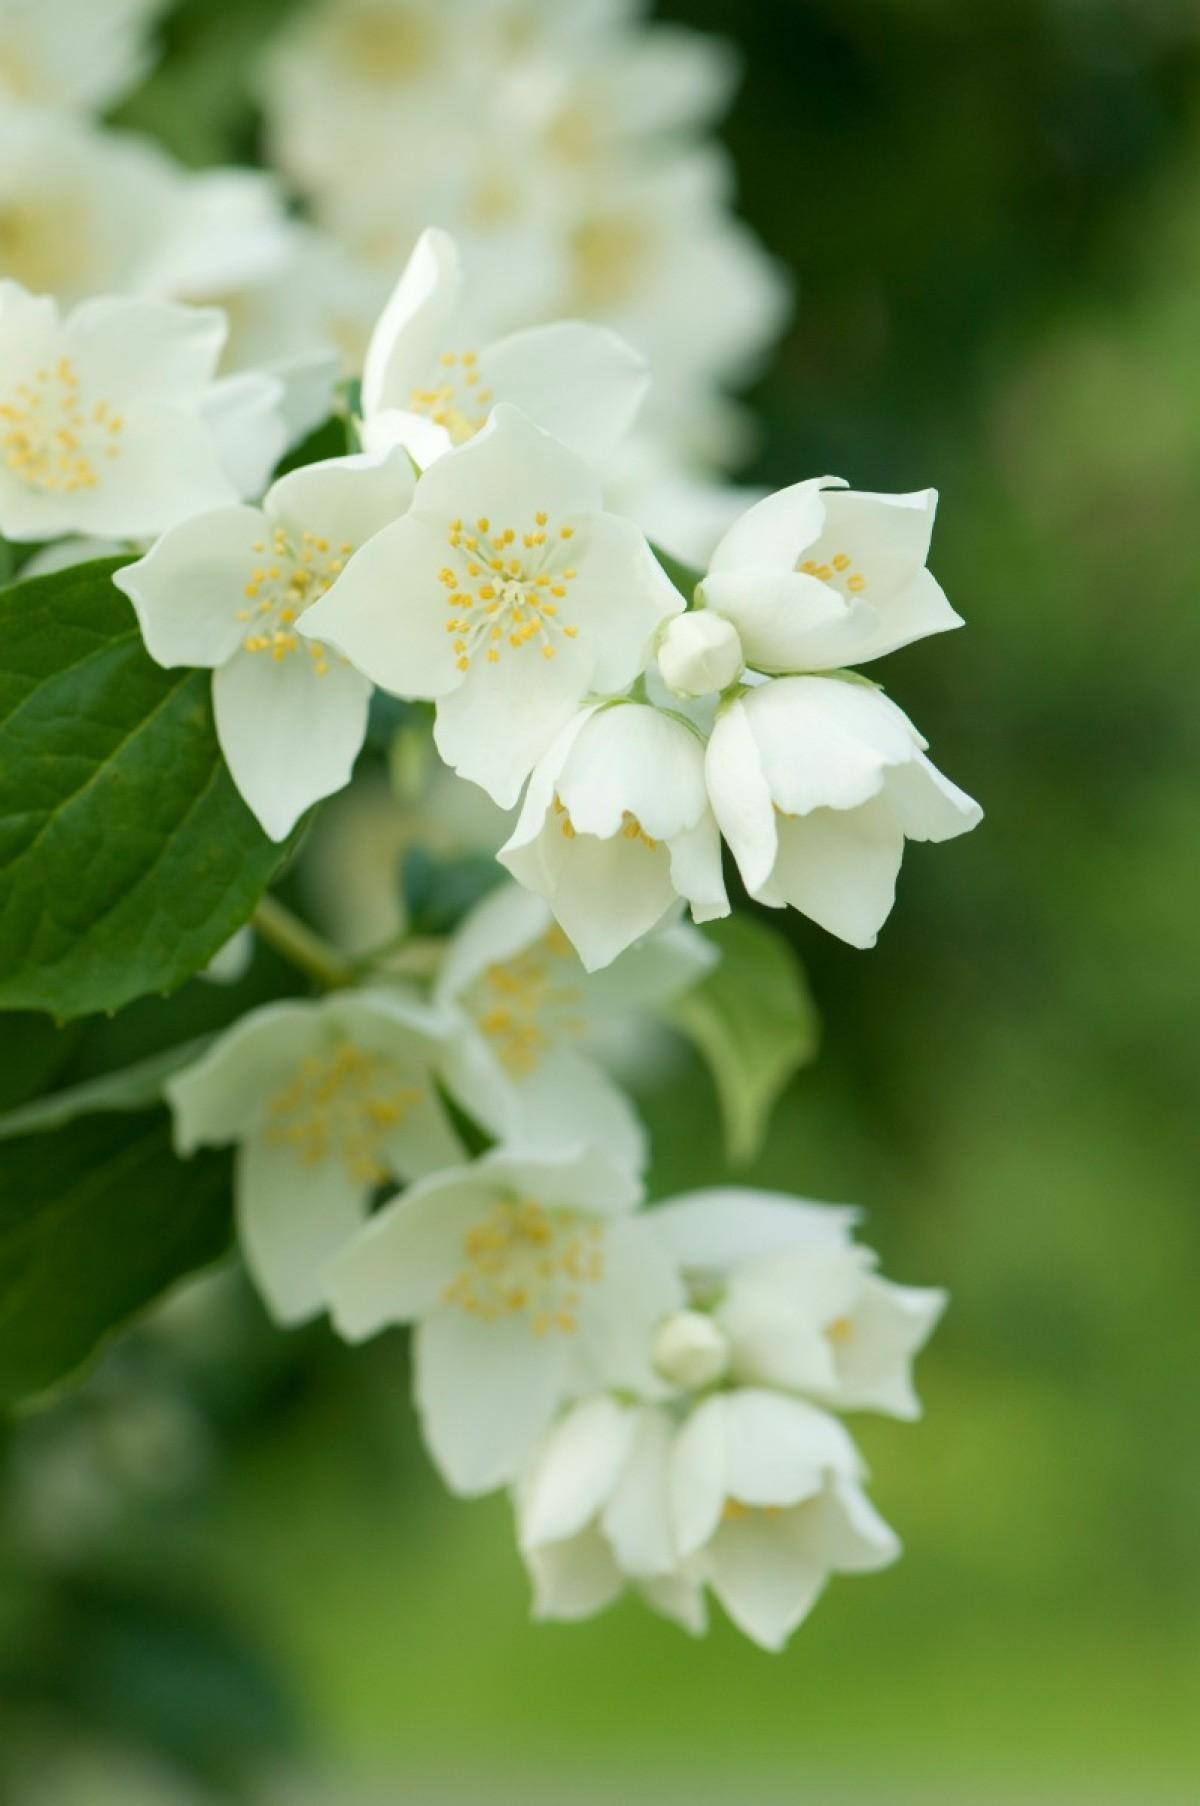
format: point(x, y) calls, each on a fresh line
point(740, 796)
point(500, 719)
point(776, 1313)
point(508, 473)
point(776, 530)
point(582, 383)
point(407, 1254)
point(777, 1449)
point(631, 759)
point(575, 1578)
point(344, 500)
point(697, 1476)
point(696, 869)
point(245, 415)
point(709, 1232)
point(619, 1315)
point(650, 974)
point(874, 1360)
point(678, 1598)
point(502, 925)
point(292, 1219)
point(167, 470)
point(486, 1392)
point(290, 733)
point(619, 600)
point(586, 1179)
point(220, 1098)
point(568, 1101)
point(605, 894)
point(189, 588)
point(575, 1471)
point(825, 743)
point(913, 612)
point(766, 1583)
point(927, 805)
point(845, 1531)
point(786, 620)
point(132, 349)
point(839, 867)
point(415, 326)
point(637, 1518)
point(887, 536)
point(397, 428)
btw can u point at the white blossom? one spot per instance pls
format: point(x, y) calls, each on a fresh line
point(426, 386)
point(57, 53)
point(616, 828)
point(111, 423)
point(816, 783)
point(523, 1061)
point(818, 576)
point(505, 595)
point(325, 1102)
point(228, 590)
point(529, 1279)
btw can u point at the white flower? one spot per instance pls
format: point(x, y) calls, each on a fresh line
point(766, 1504)
point(111, 423)
point(228, 589)
point(505, 594)
point(820, 1322)
point(425, 388)
point(593, 1515)
point(816, 577)
point(699, 653)
point(326, 1102)
point(816, 782)
point(616, 827)
point(522, 1060)
point(528, 1279)
point(709, 1232)
point(58, 53)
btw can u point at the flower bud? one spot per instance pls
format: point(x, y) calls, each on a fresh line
point(700, 652)
point(690, 1349)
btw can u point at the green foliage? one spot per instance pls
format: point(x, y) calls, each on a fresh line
point(93, 1225)
point(128, 857)
point(129, 1088)
point(438, 893)
point(754, 1022)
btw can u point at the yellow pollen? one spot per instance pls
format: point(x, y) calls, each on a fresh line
point(834, 569)
point(525, 1259)
point(341, 1105)
point(631, 829)
point(458, 411)
point(512, 586)
point(50, 438)
point(304, 572)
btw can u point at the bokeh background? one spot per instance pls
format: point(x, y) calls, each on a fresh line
point(992, 214)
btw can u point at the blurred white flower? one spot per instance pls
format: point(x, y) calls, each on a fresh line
point(326, 1102)
point(111, 423)
point(228, 590)
point(424, 388)
point(523, 1060)
point(58, 53)
point(505, 594)
point(529, 1279)
point(616, 828)
point(767, 1504)
point(816, 577)
point(816, 782)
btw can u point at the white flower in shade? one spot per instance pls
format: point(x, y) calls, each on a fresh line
point(710, 1232)
point(594, 1515)
point(821, 1322)
point(326, 1102)
point(529, 1280)
point(816, 783)
point(699, 653)
point(616, 828)
point(58, 53)
point(424, 387)
point(228, 589)
point(505, 595)
point(767, 1504)
point(110, 422)
point(523, 1059)
point(819, 576)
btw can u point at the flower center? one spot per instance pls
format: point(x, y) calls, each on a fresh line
point(525, 1260)
point(504, 596)
point(608, 256)
point(456, 402)
point(839, 571)
point(52, 440)
point(342, 1104)
point(522, 1006)
point(283, 589)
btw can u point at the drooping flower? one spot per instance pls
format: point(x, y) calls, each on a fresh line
point(56, 53)
point(816, 783)
point(616, 828)
point(505, 595)
point(529, 1279)
point(111, 423)
point(523, 1060)
point(819, 576)
point(766, 1504)
point(228, 590)
point(326, 1102)
point(425, 387)
point(594, 1515)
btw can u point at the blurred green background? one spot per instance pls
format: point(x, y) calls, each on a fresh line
point(993, 215)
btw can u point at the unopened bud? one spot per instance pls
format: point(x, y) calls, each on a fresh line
point(691, 1350)
point(700, 652)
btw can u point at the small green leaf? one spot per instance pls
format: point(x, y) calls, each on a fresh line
point(93, 1225)
point(127, 857)
point(754, 1021)
point(130, 1088)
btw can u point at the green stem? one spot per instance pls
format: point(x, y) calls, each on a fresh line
point(300, 945)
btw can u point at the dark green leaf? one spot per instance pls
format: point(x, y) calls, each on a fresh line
point(93, 1225)
point(127, 857)
point(439, 892)
point(332, 439)
point(129, 1088)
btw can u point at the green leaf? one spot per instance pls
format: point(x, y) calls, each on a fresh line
point(130, 1088)
point(127, 858)
point(93, 1225)
point(754, 1021)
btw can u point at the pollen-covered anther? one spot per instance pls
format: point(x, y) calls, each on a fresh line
point(525, 1259)
point(523, 1006)
point(455, 401)
point(51, 439)
point(838, 570)
point(632, 829)
point(302, 569)
point(342, 1105)
point(515, 581)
